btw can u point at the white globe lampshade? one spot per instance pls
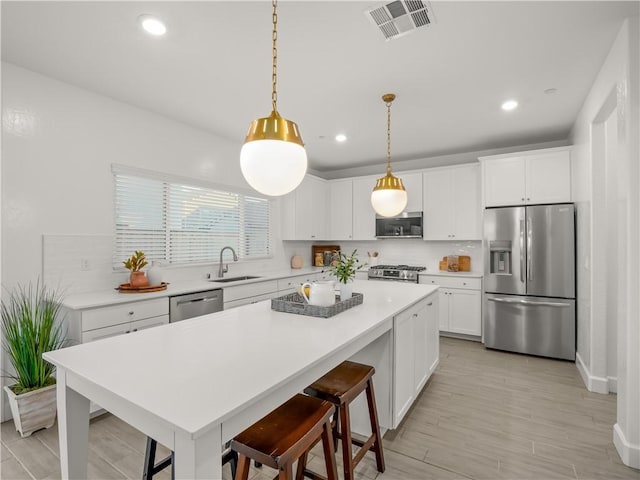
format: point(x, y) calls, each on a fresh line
point(389, 202)
point(273, 167)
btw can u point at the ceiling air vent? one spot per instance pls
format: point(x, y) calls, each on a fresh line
point(400, 17)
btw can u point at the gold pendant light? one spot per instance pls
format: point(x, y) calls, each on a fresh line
point(273, 159)
point(389, 198)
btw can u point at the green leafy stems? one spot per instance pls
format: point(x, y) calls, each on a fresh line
point(137, 261)
point(30, 327)
point(345, 266)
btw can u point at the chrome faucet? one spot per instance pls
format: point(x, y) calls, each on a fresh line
point(222, 270)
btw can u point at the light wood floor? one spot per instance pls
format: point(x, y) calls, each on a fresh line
point(484, 414)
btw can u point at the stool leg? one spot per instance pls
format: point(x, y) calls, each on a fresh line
point(302, 464)
point(334, 430)
point(375, 426)
point(329, 452)
point(242, 473)
point(286, 472)
point(347, 447)
point(149, 459)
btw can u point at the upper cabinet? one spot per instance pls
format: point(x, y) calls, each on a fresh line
point(413, 185)
point(452, 208)
point(351, 216)
point(364, 216)
point(304, 211)
point(341, 212)
point(527, 178)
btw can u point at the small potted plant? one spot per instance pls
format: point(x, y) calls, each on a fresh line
point(344, 267)
point(31, 326)
point(136, 263)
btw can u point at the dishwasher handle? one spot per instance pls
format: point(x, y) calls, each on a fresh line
point(201, 299)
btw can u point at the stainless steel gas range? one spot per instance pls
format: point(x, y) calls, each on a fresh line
point(400, 273)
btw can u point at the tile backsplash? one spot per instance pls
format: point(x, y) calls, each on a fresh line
point(79, 263)
point(399, 251)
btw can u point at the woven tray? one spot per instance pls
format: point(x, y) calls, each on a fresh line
point(295, 303)
point(127, 288)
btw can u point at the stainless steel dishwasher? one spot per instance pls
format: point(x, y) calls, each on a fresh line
point(192, 305)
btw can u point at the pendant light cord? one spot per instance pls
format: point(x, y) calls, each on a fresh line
point(274, 71)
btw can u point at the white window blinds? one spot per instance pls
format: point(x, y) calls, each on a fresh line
point(185, 224)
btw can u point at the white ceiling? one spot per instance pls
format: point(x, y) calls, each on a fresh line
point(213, 68)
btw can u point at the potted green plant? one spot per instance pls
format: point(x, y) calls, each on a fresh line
point(135, 264)
point(31, 326)
point(344, 267)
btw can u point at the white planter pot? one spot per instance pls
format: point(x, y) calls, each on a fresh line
point(346, 290)
point(34, 410)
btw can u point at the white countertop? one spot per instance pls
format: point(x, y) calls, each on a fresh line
point(102, 298)
point(452, 274)
point(202, 371)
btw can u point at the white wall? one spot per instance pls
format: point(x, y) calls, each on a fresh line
point(616, 89)
point(59, 144)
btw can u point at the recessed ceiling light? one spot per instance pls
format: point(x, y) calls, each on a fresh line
point(341, 137)
point(152, 25)
point(509, 105)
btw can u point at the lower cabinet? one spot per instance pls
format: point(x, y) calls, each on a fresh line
point(249, 293)
point(460, 304)
point(92, 324)
point(416, 353)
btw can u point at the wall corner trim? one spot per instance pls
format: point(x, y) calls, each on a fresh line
point(593, 383)
point(629, 454)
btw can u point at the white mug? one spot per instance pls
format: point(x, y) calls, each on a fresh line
point(321, 294)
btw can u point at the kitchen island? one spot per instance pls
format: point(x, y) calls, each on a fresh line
point(193, 385)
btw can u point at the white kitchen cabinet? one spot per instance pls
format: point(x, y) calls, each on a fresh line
point(90, 324)
point(452, 208)
point(460, 304)
point(413, 185)
point(341, 210)
point(527, 178)
point(304, 211)
point(238, 295)
point(364, 216)
point(416, 348)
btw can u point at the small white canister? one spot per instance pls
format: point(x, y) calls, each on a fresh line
point(155, 274)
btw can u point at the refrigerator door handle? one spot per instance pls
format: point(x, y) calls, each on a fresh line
point(529, 250)
point(522, 251)
point(528, 303)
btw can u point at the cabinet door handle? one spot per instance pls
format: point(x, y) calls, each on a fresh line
point(429, 304)
point(131, 312)
point(415, 314)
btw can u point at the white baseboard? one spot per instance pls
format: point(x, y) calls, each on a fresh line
point(593, 383)
point(613, 384)
point(630, 454)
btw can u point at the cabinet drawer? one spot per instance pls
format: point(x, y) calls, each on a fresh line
point(249, 300)
point(250, 290)
point(119, 314)
point(452, 282)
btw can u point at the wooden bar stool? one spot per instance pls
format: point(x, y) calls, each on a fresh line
point(284, 435)
point(151, 467)
point(341, 386)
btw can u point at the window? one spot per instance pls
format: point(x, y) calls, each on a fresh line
point(182, 223)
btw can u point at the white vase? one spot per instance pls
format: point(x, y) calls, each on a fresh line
point(346, 290)
point(155, 274)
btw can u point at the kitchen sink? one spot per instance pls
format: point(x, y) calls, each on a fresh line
point(233, 279)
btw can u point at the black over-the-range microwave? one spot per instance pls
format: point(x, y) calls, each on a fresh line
point(405, 225)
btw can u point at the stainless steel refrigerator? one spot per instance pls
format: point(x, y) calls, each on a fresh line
point(529, 283)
